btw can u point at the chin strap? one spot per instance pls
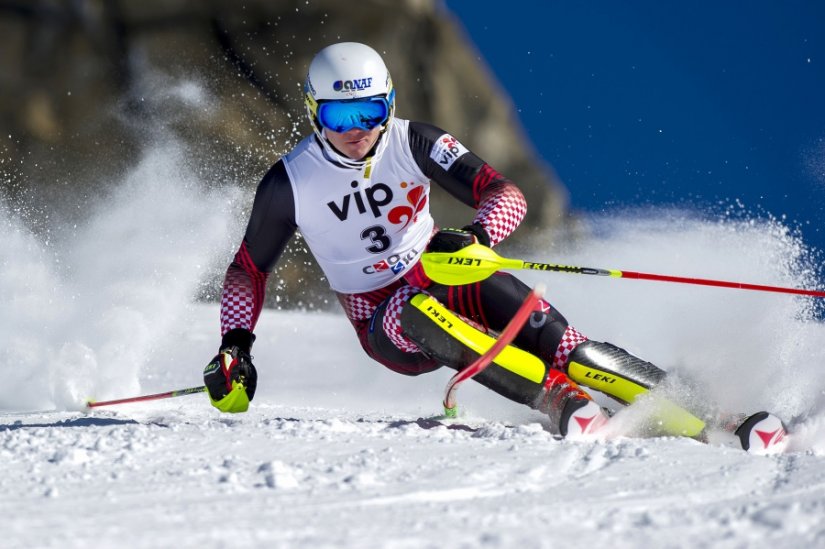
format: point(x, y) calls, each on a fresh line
point(366, 163)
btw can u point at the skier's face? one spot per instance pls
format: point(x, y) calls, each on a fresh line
point(354, 143)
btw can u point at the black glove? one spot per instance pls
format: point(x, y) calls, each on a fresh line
point(453, 240)
point(231, 377)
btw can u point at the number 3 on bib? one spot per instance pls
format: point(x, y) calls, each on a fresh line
point(378, 236)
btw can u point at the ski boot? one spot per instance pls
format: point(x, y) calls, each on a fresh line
point(762, 434)
point(572, 411)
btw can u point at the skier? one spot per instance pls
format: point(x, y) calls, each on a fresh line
point(358, 190)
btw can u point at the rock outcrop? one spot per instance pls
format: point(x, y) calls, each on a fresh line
point(85, 85)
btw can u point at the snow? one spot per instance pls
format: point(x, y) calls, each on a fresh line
point(337, 451)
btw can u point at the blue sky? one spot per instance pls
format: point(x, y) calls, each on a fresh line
point(643, 102)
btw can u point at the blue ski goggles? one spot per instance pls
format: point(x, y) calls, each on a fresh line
point(342, 116)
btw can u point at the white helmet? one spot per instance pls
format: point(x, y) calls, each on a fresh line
point(345, 72)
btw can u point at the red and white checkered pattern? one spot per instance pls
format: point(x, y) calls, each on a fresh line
point(501, 205)
point(358, 306)
point(392, 318)
point(569, 341)
point(237, 301)
point(244, 288)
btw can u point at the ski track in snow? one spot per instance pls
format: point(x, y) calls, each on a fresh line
point(284, 476)
point(300, 470)
point(332, 453)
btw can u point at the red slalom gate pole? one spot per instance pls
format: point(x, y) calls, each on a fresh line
point(143, 398)
point(504, 339)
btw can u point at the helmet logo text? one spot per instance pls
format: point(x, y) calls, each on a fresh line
point(352, 85)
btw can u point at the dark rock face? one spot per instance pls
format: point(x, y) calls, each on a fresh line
point(86, 85)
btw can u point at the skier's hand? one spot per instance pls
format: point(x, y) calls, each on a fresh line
point(231, 377)
point(453, 240)
point(447, 241)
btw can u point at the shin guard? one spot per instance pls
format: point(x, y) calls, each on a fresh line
point(624, 377)
point(612, 371)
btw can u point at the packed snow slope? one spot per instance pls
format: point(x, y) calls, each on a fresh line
point(339, 452)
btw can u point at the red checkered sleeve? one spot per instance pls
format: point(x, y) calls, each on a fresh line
point(244, 288)
point(501, 205)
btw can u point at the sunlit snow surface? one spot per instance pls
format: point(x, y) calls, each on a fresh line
point(332, 453)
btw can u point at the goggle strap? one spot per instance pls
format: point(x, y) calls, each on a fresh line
point(311, 103)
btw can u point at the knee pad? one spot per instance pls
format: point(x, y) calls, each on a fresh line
point(430, 330)
point(385, 342)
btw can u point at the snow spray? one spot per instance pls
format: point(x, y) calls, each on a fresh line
point(86, 304)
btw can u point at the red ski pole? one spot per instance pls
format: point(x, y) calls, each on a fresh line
point(477, 262)
point(157, 396)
